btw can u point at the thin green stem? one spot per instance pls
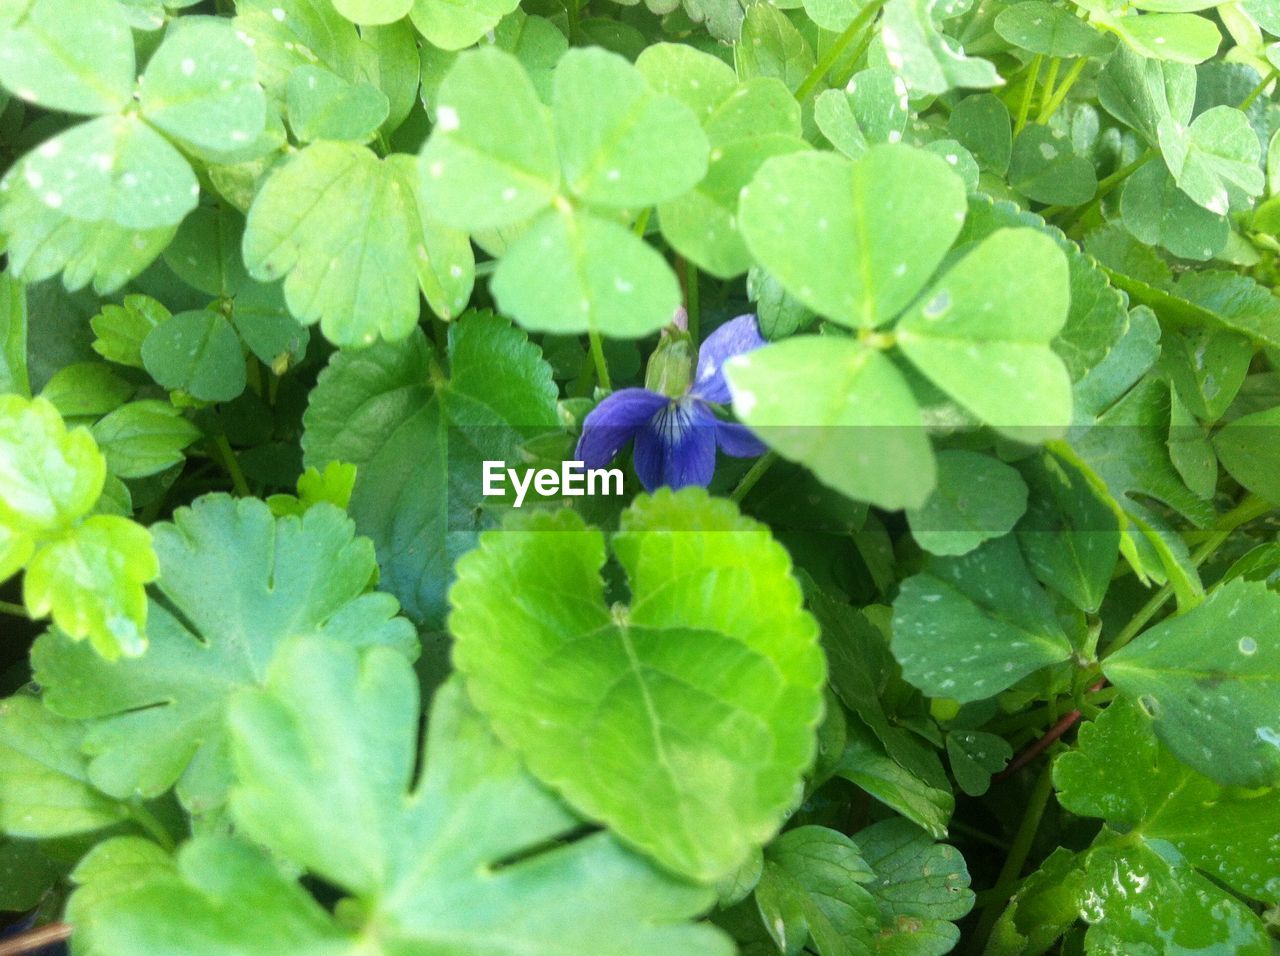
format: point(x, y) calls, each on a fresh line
point(692, 300)
point(836, 50)
point(756, 472)
point(597, 356)
point(1028, 94)
point(1106, 186)
point(229, 462)
point(1010, 872)
point(1060, 94)
point(14, 610)
point(1252, 507)
point(572, 12)
point(1050, 81)
point(642, 223)
point(1259, 89)
point(152, 825)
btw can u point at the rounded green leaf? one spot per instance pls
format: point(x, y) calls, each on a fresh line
point(1215, 160)
point(197, 352)
point(455, 24)
point(373, 11)
point(700, 698)
point(622, 144)
point(491, 159)
point(854, 241)
point(325, 106)
point(91, 579)
point(699, 80)
point(49, 476)
point(69, 55)
point(1180, 37)
point(200, 87)
point(1044, 167)
point(144, 438)
point(1158, 213)
point(1040, 27)
point(573, 272)
point(843, 411)
point(978, 497)
point(982, 334)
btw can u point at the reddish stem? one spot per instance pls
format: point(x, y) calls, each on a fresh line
point(1044, 743)
point(37, 938)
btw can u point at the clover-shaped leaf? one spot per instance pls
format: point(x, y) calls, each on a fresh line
point(234, 584)
point(700, 697)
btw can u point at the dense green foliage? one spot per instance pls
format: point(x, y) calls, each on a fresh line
point(980, 649)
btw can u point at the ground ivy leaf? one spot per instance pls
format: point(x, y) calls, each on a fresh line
point(455, 24)
point(197, 352)
point(920, 886)
point(322, 105)
point(234, 584)
point(978, 497)
point(867, 764)
point(573, 272)
point(417, 441)
point(973, 337)
point(1213, 666)
point(718, 739)
point(1069, 536)
point(855, 425)
point(620, 143)
point(491, 160)
point(350, 234)
point(929, 62)
point(70, 55)
point(143, 438)
point(854, 241)
point(91, 579)
point(49, 476)
point(1158, 213)
point(810, 892)
point(969, 627)
point(98, 202)
point(1044, 167)
point(200, 88)
point(44, 781)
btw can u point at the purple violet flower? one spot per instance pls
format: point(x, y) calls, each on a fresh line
point(676, 438)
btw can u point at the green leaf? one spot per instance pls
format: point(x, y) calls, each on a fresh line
point(354, 240)
point(418, 440)
point(755, 121)
point(1045, 905)
point(1215, 160)
point(978, 497)
point(1070, 536)
point(868, 765)
point(1215, 666)
point(144, 438)
point(972, 335)
point(235, 584)
point(1207, 367)
point(1144, 93)
point(1040, 27)
point(477, 851)
point(872, 108)
point(491, 160)
point(921, 887)
point(573, 272)
point(1044, 167)
point(1181, 37)
point(14, 377)
point(855, 425)
point(197, 352)
point(44, 781)
point(853, 241)
point(373, 11)
point(969, 627)
point(334, 485)
point(86, 388)
point(200, 88)
point(974, 757)
point(810, 892)
point(1159, 213)
point(1248, 451)
point(121, 329)
point(322, 105)
point(113, 868)
point(98, 202)
point(287, 34)
point(929, 62)
point(982, 124)
point(389, 61)
point(620, 143)
point(455, 24)
point(719, 738)
point(699, 80)
point(91, 579)
point(75, 56)
point(49, 476)
point(770, 45)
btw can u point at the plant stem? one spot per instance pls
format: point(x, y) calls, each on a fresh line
point(1060, 94)
point(1050, 81)
point(14, 610)
point(575, 28)
point(756, 472)
point(154, 828)
point(642, 222)
point(1010, 872)
point(1259, 89)
point(692, 303)
point(597, 356)
point(834, 52)
point(229, 462)
point(1252, 507)
point(35, 939)
point(1028, 94)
